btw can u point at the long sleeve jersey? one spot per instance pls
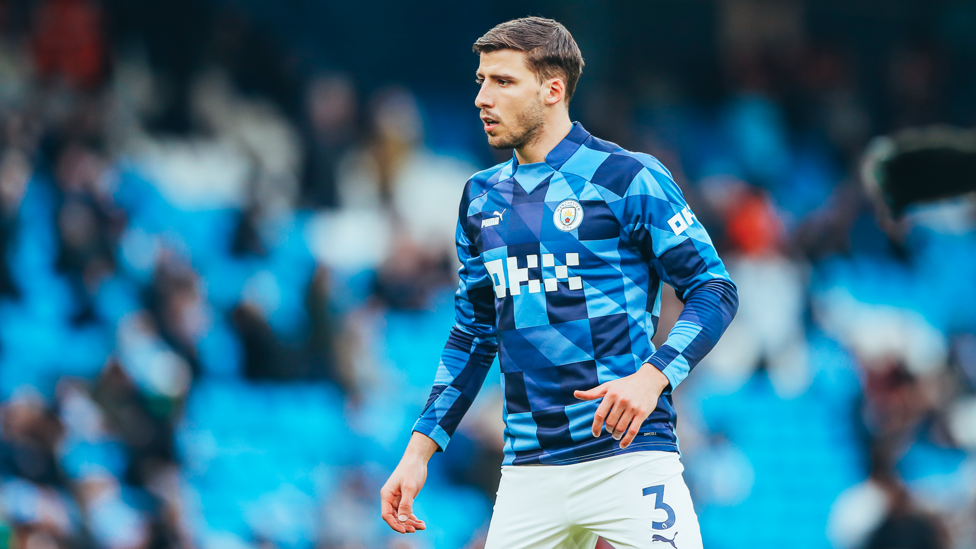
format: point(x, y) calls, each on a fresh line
point(562, 267)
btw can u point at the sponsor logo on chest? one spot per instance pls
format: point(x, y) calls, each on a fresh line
point(506, 275)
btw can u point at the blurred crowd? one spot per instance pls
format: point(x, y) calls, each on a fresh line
point(225, 281)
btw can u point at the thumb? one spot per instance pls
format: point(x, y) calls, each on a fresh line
point(405, 511)
point(592, 394)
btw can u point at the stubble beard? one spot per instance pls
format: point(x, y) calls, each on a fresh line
point(528, 125)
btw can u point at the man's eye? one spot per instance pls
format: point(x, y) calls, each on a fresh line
point(479, 81)
point(503, 82)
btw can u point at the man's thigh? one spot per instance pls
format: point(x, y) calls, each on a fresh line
point(642, 503)
point(530, 512)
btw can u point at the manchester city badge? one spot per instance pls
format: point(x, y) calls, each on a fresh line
point(568, 216)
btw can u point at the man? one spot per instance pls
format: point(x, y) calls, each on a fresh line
point(564, 250)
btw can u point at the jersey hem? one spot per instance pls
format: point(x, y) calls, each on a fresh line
point(634, 447)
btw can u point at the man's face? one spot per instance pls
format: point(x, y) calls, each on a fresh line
point(510, 99)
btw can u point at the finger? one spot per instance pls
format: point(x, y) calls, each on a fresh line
point(601, 415)
point(417, 520)
point(592, 394)
point(620, 428)
point(412, 520)
point(405, 509)
point(615, 415)
point(405, 514)
point(635, 426)
point(388, 503)
point(403, 518)
point(395, 524)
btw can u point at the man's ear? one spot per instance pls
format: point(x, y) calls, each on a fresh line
point(555, 91)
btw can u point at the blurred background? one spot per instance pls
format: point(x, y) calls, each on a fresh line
point(227, 265)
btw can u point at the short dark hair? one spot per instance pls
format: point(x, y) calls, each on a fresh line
point(549, 48)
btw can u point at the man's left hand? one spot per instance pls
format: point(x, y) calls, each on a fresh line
point(626, 402)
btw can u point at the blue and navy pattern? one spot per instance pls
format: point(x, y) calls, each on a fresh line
point(571, 309)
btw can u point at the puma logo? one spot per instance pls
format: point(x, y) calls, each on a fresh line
point(494, 220)
point(659, 537)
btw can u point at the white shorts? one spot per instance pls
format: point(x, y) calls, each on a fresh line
point(634, 501)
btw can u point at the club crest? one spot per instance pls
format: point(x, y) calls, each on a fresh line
point(568, 216)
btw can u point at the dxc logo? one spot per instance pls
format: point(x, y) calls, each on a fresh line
point(682, 220)
point(516, 275)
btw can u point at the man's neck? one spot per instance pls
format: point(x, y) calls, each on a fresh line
point(552, 133)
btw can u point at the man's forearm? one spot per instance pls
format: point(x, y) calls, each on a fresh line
point(464, 365)
point(706, 314)
point(420, 448)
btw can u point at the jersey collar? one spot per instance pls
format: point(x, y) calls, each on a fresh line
point(530, 175)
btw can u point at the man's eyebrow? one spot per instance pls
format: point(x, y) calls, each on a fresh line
point(497, 76)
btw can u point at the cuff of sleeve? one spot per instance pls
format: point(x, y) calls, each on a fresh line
point(669, 373)
point(433, 431)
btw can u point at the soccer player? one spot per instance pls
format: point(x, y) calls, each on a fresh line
point(564, 250)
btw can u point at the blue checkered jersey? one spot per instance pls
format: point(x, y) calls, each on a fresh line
point(562, 267)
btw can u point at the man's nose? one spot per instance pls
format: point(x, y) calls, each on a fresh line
point(483, 99)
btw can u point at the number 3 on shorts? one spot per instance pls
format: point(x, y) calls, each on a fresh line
point(659, 504)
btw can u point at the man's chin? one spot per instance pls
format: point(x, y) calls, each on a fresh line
point(498, 142)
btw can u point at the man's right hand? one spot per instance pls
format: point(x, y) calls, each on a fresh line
point(405, 483)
